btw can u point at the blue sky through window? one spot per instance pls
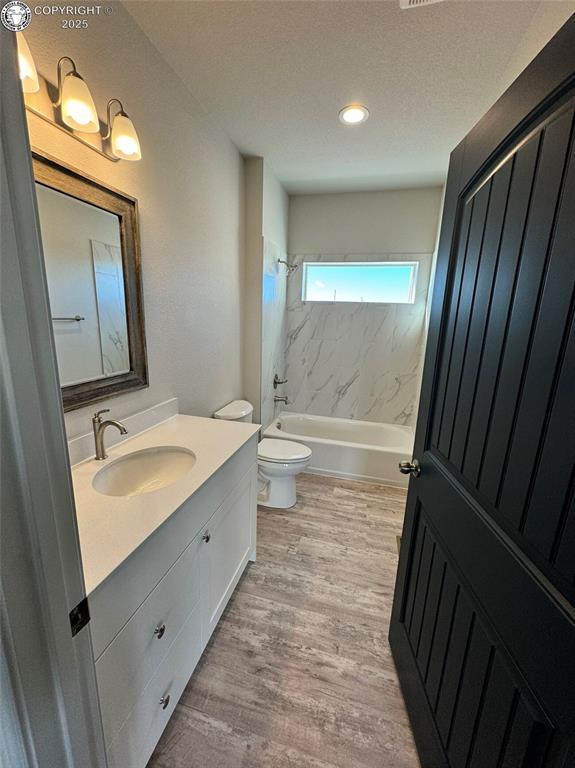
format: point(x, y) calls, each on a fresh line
point(371, 282)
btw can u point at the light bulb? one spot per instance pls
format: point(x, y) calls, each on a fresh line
point(78, 108)
point(354, 114)
point(26, 66)
point(124, 139)
point(79, 112)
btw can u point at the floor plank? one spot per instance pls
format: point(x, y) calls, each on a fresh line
point(298, 673)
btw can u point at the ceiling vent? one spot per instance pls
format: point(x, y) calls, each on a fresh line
point(416, 3)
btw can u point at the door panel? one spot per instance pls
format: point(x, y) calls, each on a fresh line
point(502, 406)
point(522, 165)
point(533, 261)
point(471, 683)
point(547, 511)
point(483, 624)
point(228, 549)
point(466, 291)
point(482, 304)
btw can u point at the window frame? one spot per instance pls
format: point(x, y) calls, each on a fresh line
point(414, 264)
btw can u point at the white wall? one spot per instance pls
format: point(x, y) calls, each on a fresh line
point(252, 340)
point(275, 210)
point(395, 221)
point(189, 185)
point(274, 323)
point(359, 361)
point(266, 225)
point(274, 292)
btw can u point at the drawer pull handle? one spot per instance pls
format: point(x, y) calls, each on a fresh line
point(206, 537)
point(164, 701)
point(159, 631)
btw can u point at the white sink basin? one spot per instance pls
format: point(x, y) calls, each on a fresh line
point(144, 471)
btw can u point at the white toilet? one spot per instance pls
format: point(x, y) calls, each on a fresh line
point(279, 461)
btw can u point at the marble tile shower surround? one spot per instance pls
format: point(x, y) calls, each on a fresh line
point(274, 295)
point(356, 361)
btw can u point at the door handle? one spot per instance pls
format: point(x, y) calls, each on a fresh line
point(164, 701)
point(412, 468)
point(206, 537)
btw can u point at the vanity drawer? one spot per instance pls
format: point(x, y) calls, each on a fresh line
point(136, 741)
point(131, 659)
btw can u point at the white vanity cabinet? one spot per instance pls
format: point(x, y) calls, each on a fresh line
point(153, 616)
point(227, 552)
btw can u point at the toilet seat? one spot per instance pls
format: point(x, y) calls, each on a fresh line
point(279, 461)
point(282, 451)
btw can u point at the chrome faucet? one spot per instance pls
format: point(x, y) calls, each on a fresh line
point(280, 399)
point(99, 428)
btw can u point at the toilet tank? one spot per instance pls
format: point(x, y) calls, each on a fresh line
point(237, 410)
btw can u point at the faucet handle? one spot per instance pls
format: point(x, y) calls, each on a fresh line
point(277, 381)
point(99, 413)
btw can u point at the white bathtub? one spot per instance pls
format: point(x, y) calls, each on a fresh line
point(362, 450)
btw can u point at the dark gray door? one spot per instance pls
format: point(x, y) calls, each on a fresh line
point(483, 625)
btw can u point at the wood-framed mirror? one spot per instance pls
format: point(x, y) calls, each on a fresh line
point(91, 244)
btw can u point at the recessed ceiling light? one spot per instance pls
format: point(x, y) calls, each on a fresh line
point(354, 114)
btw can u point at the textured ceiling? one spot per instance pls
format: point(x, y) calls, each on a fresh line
point(274, 74)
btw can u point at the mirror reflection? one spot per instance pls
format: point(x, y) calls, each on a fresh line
point(83, 255)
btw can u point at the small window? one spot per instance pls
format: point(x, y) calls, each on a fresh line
point(374, 282)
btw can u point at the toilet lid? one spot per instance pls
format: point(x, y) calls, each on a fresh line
point(282, 451)
point(237, 409)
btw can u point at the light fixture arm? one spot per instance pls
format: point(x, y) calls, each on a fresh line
point(61, 78)
point(109, 115)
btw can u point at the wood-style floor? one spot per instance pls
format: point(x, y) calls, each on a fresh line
point(298, 673)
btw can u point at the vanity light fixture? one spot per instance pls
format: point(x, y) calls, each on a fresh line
point(26, 66)
point(124, 141)
point(75, 100)
point(77, 110)
point(353, 114)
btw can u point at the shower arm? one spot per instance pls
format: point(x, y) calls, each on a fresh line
point(290, 267)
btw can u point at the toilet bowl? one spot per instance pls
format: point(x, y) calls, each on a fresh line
point(279, 461)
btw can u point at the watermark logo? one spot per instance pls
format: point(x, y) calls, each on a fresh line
point(16, 15)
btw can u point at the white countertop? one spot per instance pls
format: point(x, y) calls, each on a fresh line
point(112, 527)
